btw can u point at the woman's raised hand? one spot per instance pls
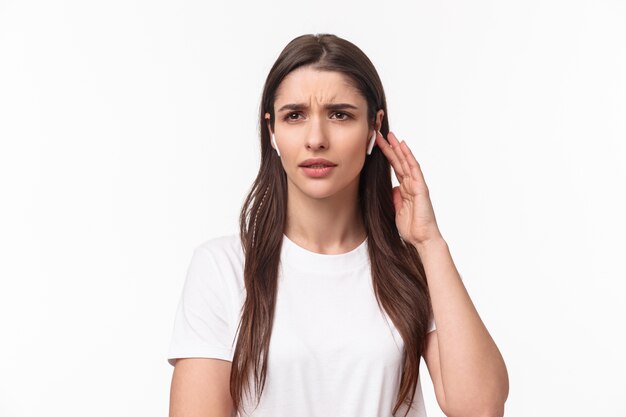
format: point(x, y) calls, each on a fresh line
point(415, 217)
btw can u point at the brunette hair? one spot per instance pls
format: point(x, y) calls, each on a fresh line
point(398, 276)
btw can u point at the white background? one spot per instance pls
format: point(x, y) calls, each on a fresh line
point(129, 136)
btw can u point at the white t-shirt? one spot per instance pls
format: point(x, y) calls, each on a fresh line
point(332, 352)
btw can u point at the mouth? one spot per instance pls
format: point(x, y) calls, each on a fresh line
point(317, 170)
point(317, 163)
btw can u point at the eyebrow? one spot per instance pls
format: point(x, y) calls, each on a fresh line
point(329, 106)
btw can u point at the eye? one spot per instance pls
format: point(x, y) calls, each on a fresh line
point(342, 115)
point(288, 116)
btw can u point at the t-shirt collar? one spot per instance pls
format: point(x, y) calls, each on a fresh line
point(303, 259)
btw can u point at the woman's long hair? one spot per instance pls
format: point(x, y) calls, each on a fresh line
point(398, 276)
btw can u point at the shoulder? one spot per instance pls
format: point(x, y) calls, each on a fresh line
point(223, 248)
point(220, 261)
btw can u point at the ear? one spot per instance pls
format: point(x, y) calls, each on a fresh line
point(273, 143)
point(379, 119)
point(269, 128)
point(377, 124)
point(269, 125)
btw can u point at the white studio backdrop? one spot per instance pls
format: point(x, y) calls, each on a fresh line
point(128, 136)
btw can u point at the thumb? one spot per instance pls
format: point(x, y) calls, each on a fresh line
point(397, 198)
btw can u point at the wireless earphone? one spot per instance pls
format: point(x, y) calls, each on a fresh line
point(275, 145)
point(370, 146)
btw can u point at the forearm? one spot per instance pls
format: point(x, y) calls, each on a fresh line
point(473, 373)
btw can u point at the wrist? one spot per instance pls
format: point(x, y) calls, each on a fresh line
point(428, 244)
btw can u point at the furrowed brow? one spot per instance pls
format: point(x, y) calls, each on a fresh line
point(329, 106)
point(340, 106)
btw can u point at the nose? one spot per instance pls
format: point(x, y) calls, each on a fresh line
point(317, 138)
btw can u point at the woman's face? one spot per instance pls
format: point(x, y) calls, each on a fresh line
point(319, 114)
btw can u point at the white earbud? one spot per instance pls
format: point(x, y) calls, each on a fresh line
point(370, 146)
point(275, 145)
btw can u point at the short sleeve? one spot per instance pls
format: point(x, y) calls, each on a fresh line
point(202, 327)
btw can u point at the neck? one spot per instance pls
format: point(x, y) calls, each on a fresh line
point(329, 225)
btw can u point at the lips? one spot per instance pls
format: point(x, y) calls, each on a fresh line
point(317, 163)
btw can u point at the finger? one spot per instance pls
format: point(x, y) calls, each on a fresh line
point(395, 143)
point(397, 146)
point(413, 165)
point(391, 156)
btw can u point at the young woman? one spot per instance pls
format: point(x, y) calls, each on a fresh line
point(336, 285)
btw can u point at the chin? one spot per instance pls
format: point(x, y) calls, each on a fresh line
point(320, 190)
point(318, 193)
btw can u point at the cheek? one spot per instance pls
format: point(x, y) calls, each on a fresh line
point(347, 146)
point(289, 150)
point(353, 156)
point(354, 145)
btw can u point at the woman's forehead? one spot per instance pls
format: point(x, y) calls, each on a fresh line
point(310, 87)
